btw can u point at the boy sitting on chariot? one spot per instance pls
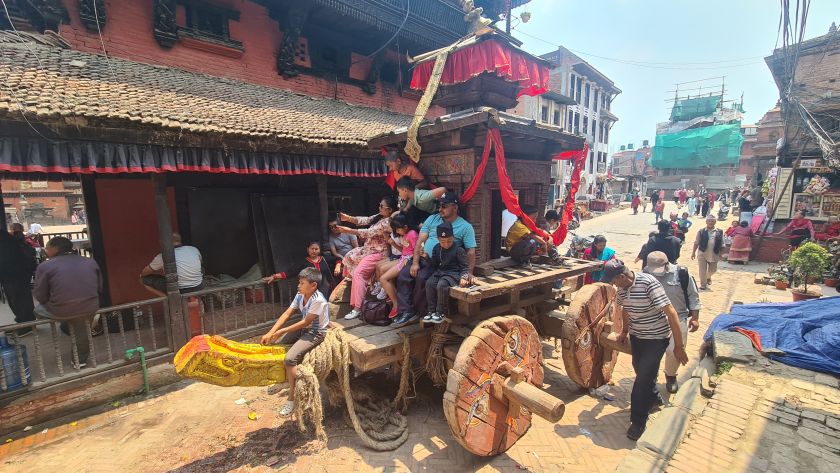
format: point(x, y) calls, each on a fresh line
point(312, 328)
point(451, 269)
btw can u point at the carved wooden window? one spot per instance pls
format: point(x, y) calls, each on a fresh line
point(209, 23)
point(329, 57)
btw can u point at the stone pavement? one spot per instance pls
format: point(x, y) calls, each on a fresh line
point(195, 427)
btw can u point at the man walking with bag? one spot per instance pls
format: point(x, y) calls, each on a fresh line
point(682, 292)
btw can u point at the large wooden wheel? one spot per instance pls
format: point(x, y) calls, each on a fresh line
point(588, 363)
point(482, 419)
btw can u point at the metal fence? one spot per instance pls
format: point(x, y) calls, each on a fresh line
point(50, 354)
point(81, 240)
point(237, 310)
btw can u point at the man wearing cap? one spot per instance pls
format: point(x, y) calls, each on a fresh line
point(649, 320)
point(682, 292)
point(709, 241)
point(411, 283)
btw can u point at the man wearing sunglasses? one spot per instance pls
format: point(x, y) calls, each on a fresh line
point(411, 283)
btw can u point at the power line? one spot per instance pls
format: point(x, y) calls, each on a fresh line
point(10, 89)
point(656, 65)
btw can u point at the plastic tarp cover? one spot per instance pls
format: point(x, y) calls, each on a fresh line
point(698, 147)
point(686, 109)
point(808, 332)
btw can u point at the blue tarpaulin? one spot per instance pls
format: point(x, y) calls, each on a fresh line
point(808, 332)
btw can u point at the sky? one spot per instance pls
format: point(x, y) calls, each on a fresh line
point(687, 40)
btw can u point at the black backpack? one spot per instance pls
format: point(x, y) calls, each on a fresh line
point(682, 272)
point(375, 311)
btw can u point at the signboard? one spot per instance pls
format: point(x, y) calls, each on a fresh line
point(809, 163)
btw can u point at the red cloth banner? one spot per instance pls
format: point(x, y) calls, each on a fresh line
point(487, 56)
point(578, 158)
point(494, 140)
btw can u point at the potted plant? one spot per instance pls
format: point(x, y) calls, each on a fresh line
point(831, 278)
point(781, 282)
point(808, 261)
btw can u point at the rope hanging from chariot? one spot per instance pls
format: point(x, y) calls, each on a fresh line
point(375, 420)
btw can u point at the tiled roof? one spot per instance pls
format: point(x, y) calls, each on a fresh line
point(52, 82)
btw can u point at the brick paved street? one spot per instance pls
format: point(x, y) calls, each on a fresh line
point(196, 427)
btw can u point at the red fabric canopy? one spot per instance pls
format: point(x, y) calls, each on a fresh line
point(487, 56)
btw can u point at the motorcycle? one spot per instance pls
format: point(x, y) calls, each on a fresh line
point(723, 211)
point(578, 245)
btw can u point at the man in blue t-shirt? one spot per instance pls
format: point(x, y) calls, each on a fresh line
point(411, 283)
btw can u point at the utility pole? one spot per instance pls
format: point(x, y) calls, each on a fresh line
point(508, 8)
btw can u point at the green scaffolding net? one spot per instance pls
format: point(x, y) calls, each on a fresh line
point(697, 147)
point(687, 109)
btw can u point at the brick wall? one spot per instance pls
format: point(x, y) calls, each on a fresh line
point(128, 35)
point(769, 250)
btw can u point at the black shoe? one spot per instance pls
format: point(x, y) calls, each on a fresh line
point(671, 384)
point(658, 403)
point(434, 318)
point(404, 319)
point(635, 431)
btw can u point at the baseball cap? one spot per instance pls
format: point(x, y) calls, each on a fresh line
point(444, 230)
point(448, 198)
point(657, 263)
point(612, 268)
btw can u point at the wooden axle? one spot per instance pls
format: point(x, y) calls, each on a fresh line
point(517, 392)
point(609, 340)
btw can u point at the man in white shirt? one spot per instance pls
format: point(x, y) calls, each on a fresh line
point(188, 264)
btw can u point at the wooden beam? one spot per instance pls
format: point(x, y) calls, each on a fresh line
point(179, 322)
point(3, 224)
point(323, 207)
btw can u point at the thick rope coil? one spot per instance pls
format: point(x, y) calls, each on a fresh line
point(435, 366)
point(375, 420)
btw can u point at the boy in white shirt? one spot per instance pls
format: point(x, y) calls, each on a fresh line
point(313, 327)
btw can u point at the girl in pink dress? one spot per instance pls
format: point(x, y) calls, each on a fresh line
point(408, 237)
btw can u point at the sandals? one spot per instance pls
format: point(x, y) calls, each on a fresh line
point(287, 408)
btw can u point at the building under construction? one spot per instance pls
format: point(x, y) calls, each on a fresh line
point(700, 145)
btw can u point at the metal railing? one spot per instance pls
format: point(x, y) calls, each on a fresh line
point(238, 310)
point(46, 357)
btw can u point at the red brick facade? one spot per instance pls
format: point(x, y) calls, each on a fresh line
point(57, 196)
point(128, 34)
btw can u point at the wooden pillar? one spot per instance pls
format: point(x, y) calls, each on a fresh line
point(323, 207)
point(180, 328)
point(4, 226)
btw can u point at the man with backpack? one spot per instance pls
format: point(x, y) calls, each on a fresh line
point(682, 292)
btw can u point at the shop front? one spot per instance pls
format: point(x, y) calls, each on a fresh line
point(813, 188)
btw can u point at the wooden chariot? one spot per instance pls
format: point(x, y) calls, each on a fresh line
point(491, 347)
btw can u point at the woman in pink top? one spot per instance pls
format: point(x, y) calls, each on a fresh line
point(360, 263)
point(408, 235)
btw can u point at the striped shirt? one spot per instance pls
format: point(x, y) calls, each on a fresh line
point(644, 301)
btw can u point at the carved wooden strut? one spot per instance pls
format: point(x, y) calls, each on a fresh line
point(92, 14)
